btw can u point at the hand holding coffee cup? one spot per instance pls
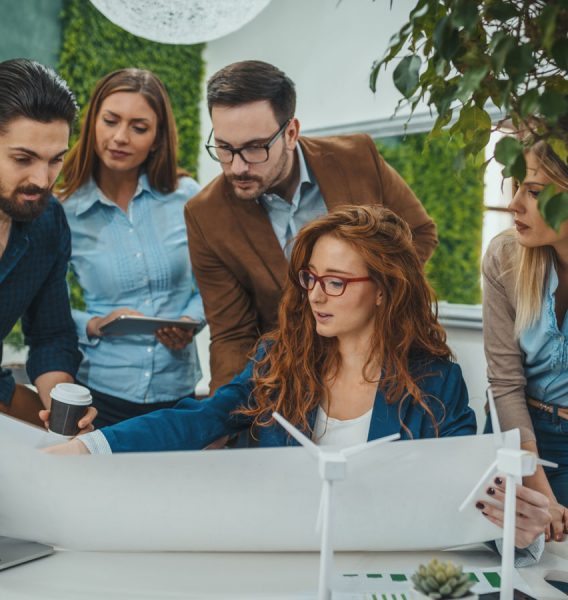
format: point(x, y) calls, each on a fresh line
point(69, 404)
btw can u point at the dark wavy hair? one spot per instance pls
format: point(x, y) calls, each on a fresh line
point(252, 81)
point(290, 378)
point(30, 90)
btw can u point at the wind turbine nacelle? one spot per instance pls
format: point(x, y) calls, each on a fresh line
point(518, 463)
point(332, 466)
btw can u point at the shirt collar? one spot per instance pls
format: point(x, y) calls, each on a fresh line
point(90, 193)
point(305, 179)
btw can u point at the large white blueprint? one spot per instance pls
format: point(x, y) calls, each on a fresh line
point(401, 496)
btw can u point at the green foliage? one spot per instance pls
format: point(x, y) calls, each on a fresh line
point(454, 202)
point(15, 337)
point(441, 580)
point(464, 55)
point(92, 46)
point(75, 291)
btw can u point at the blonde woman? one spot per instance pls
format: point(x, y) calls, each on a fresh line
point(525, 299)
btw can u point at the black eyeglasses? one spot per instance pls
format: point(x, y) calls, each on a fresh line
point(332, 285)
point(254, 154)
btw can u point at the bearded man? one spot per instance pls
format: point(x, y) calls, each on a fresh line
point(242, 225)
point(37, 110)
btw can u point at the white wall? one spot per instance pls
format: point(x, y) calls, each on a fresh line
point(327, 48)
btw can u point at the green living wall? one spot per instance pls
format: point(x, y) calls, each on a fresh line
point(454, 199)
point(92, 46)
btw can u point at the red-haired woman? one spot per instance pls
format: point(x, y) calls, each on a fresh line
point(359, 354)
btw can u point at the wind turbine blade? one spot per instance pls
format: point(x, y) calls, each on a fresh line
point(321, 510)
point(297, 435)
point(493, 412)
point(546, 463)
point(478, 486)
point(353, 450)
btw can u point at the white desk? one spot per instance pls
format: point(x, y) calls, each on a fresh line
point(207, 576)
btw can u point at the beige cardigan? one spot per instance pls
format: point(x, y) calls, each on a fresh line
point(505, 360)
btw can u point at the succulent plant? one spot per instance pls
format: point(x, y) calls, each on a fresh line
point(441, 581)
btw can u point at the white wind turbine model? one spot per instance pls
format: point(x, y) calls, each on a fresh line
point(514, 464)
point(332, 467)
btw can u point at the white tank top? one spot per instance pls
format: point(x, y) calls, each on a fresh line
point(341, 434)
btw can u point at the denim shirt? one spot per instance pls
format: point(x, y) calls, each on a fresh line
point(287, 218)
point(139, 260)
point(545, 346)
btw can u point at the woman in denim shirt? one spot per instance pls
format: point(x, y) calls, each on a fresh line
point(124, 197)
point(525, 300)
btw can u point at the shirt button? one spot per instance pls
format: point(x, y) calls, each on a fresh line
point(149, 349)
point(138, 254)
point(146, 301)
point(131, 230)
point(147, 374)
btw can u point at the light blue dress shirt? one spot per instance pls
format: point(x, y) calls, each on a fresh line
point(139, 260)
point(546, 351)
point(287, 218)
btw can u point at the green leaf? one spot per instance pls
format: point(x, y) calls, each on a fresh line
point(560, 53)
point(396, 42)
point(556, 209)
point(547, 193)
point(529, 103)
point(509, 152)
point(465, 14)
point(440, 123)
point(500, 11)
point(406, 74)
point(472, 120)
point(446, 38)
point(553, 104)
point(547, 21)
point(470, 82)
point(560, 148)
point(519, 61)
point(501, 51)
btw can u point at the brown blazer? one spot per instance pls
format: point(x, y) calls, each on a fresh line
point(238, 262)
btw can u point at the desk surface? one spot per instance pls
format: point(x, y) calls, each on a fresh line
point(207, 576)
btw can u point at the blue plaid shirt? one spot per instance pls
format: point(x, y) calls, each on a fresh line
point(33, 286)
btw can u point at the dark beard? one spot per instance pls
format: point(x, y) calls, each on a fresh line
point(27, 210)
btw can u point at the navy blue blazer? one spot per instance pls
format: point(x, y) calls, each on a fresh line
point(194, 424)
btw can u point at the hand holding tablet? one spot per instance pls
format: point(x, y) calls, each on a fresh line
point(142, 325)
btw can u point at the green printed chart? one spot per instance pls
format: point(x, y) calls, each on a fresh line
point(396, 585)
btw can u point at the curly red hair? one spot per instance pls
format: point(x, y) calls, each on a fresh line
point(290, 377)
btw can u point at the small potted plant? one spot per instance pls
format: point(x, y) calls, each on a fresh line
point(442, 581)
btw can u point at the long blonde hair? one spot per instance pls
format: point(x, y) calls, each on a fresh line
point(532, 265)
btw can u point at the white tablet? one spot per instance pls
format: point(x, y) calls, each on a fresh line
point(136, 325)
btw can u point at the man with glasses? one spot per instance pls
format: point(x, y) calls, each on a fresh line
point(242, 225)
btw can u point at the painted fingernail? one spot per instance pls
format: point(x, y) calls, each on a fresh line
point(480, 505)
point(491, 491)
point(498, 480)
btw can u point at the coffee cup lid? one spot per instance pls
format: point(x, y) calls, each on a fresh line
point(71, 393)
